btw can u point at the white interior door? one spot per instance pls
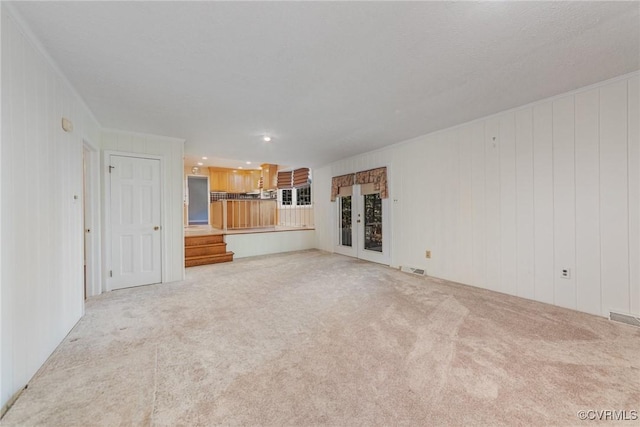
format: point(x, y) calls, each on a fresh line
point(135, 222)
point(363, 225)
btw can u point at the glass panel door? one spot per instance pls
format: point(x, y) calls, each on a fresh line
point(362, 225)
point(373, 222)
point(346, 226)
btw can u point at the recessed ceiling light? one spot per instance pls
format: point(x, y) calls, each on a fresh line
point(248, 163)
point(266, 138)
point(239, 167)
point(200, 163)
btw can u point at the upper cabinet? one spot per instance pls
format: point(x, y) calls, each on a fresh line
point(218, 179)
point(269, 176)
point(253, 180)
point(234, 180)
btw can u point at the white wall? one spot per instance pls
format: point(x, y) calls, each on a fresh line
point(41, 283)
point(172, 152)
point(558, 187)
point(252, 244)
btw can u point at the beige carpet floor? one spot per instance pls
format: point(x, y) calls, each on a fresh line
point(311, 338)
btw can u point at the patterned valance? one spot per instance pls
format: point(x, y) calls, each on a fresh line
point(340, 181)
point(378, 177)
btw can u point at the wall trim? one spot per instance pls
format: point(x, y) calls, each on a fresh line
point(94, 263)
point(143, 134)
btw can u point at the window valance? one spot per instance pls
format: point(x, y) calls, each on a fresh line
point(377, 177)
point(341, 181)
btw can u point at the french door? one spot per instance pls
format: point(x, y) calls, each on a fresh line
point(363, 224)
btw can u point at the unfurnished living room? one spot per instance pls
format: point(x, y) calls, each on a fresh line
point(320, 213)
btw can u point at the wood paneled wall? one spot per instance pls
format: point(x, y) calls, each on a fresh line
point(507, 202)
point(41, 280)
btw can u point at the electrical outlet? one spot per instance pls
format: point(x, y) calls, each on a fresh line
point(565, 273)
point(427, 254)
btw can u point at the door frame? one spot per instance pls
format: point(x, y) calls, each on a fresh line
point(357, 250)
point(352, 250)
point(91, 218)
point(383, 257)
point(208, 192)
point(106, 235)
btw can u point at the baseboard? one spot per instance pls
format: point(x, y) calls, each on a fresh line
point(11, 401)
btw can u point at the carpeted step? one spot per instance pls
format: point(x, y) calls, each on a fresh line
point(211, 249)
point(208, 259)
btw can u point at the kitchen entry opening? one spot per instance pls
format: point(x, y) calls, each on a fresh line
point(198, 200)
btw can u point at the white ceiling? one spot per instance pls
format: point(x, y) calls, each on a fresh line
point(325, 80)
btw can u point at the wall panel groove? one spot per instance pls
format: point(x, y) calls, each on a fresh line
point(558, 188)
point(42, 286)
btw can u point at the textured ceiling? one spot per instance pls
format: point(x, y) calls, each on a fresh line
point(325, 80)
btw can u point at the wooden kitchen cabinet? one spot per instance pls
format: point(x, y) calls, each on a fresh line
point(240, 181)
point(269, 176)
point(218, 179)
point(236, 182)
point(252, 180)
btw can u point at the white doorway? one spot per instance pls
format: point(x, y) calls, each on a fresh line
point(363, 224)
point(134, 218)
point(198, 200)
point(91, 219)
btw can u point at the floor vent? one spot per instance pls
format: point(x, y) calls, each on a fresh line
point(417, 271)
point(625, 318)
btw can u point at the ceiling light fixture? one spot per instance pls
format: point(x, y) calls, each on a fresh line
point(200, 163)
point(248, 163)
point(204, 158)
point(266, 138)
point(239, 167)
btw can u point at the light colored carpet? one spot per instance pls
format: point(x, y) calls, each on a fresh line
point(312, 338)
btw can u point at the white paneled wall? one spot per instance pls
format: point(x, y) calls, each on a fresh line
point(507, 202)
point(246, 245)
point(172, 152)
point(41, 282)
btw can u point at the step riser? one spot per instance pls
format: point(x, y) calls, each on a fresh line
point(206, 261)
point(190, 251)
point(203, 240)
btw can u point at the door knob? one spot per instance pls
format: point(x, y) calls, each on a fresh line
point(156, 228)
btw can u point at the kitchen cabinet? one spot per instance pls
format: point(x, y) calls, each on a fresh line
point(252, 180)
point(269, 176)
point(234, 180)
point(218, 179)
